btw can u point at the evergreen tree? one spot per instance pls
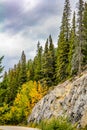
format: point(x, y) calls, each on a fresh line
point(1, 86)
point(67, 12)
point(30, 70)
point(12, 87)
point(18, 74)
point(5, 80)
point(35, 65)
point(85, 35)
point(63, 45)
point(49, 63)
point(80, 35)
point(45, 64)
point(46, 48)
point(1, 68)
point(3, 89)
point(85, 21)
point(16, 83)
point(23, 74)
point(72, 57)
point(38, 63)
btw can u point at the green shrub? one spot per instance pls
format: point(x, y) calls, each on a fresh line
point(85, 128)
point(56, 124)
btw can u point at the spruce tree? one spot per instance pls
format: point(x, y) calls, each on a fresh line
point(67, 12)
point(30, 70)
point(1, 67)
point(63, 45)
point(18, 74)
point(5, 80)
point(72, 48)
point(80, 35)
point(49, 63)
point(85, 35)
point(12, 86)
point(45, 64)
point(23, 75)
point(85, 22)
point(3, 89)
point(38, 68)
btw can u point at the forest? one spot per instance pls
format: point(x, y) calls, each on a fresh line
point(25, 84)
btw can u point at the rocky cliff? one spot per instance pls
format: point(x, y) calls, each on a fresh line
point(67, 99)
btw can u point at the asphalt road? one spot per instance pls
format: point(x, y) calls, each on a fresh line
point(16, 128)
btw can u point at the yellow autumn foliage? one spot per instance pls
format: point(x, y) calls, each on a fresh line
point(31, 92)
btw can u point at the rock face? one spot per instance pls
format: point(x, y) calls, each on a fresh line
point(67, 99)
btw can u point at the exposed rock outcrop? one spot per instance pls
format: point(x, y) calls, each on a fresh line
point(67, 99)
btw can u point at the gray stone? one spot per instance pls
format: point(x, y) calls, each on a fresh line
point(67, 99)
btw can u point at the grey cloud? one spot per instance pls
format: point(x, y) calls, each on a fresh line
point(18, 20)
point(10, 9)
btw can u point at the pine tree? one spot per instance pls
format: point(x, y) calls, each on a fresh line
point(80, 35)
point(85, 21)
point(67, 12)
point(1, 85)
point(63, 45)
point(45, 64)
point(3, 89)
point(38, 63)
point(12, 87)
point(30, 70)
point(1, 68)
point(72, 57)
point(49, 63)
point(51, 60)
point(18, 74)
point(85, 35)
point(5, 80)
point(23, 74)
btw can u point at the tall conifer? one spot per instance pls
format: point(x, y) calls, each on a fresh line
point(51, 61)
point(23, 74)
point(1, 67)
point(63, 45)
point(48, 67)
point(85, 35)
point(38, 62)
point(80, 35)
point(72, 48)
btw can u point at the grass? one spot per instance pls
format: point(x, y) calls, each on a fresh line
point(85, 128)
point(56, 124)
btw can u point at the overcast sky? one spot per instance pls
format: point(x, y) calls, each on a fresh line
point(24, 22)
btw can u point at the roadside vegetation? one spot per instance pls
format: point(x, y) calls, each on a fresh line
point(56, 124)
